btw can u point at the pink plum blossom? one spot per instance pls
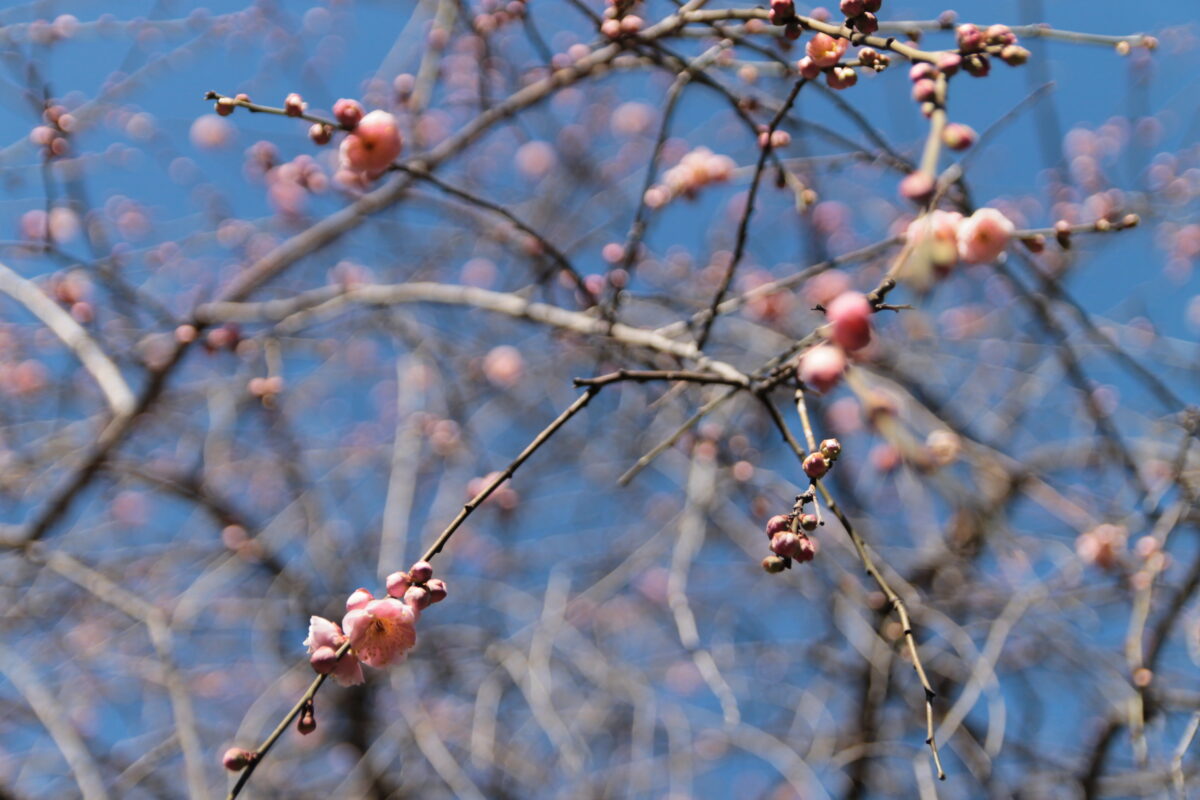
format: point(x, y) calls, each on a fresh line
point(373, 146)
point(326, 635)
point(381, 631)
point(826, 50)
point(937, 233)
point(983, 236)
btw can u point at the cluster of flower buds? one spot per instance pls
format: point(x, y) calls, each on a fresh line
point(618, 21)
point(290, 183)
point(697, 169)
point(872, 59)
point(823, 52)
point(52, 135)
point(849, 316)
point(976, 44)
point(495, 14)
point(860, 15)
point(790, 541)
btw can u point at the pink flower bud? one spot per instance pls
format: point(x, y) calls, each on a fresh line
point(320, 133)
point(852, 8)
point(307, 722)
point(821, 368)
point(785, 543)
point(957, 136)
point(850, 315)
point(918, 187)
point(921, 71)
point(808, 69)
point(969, 37)
point(610, 28)
point(397, 584)
point(421, 571)
point(815, 466)
point(949, 63)
point(358, 599)
point(236, 759)
point(924, 90)
point(778, 523)
point(348, 113)
point(866, 23)
point(806, 548)
point(808, 522)
point(225, 106)
point(417, 597)
point(437, 590)
point(631, 23)
point(831, 449)
point(324, 660)
point(782, 11)
point(294, 105)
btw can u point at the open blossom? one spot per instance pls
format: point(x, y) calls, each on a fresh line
point(380, 631)
point(826, 50)
point(698, 168)
point(983, 236)
point(324, 638)
point(373, 145)
point(937, 234)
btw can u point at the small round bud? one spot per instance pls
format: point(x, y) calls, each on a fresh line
point(921, 71)
point(421, 571)
point(808, 69)
point(225, 106)
point(348, 113)
point(949, 63)
point(1123, 48)
point(782, 11)
point(1062, 234)
point(809, 522)
point(417, 597)
point(307, 722)
point(324, 659)
point(924, 91)
point(437, 590)
point(866, 23)
point(872, 6)
point(1035, 243)
point(397, 584)
point(778, 523)
point(611, 28)
point(816, 465)
point(236, 759)
point(1000, 34)
point(320, 133)
point(785, 543)
point(868, 57)
point(969, 37)
point(806, 548)
point(1130, 221)
point(631, 23)
point(774, 564)
point(831, 449)
point(917, 186)
point(957, 136)
point(841, 78)
point(852, 8)
point(294, 105)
